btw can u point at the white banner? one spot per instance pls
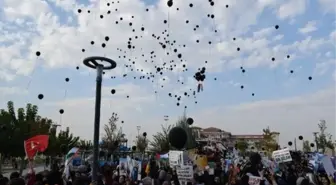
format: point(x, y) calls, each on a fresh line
point(253, 180)
point(175, 158)
point(282, 156)
point(185, 173)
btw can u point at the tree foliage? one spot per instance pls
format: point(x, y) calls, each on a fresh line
point(324, 139)
point(268, 143)
point(242, 146)
point(141, 143)
point(113, 135)
point(17, 126)
point(306, 146)
point(85, 145)
point(160, 141)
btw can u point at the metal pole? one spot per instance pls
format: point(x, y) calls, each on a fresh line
point(138, 128)
point(295, 144)
point(97, 124)
point(316, 143)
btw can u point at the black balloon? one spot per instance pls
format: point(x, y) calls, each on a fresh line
point(177, 137)
point(300, 137)
point(61, 111)
point(190, 121)
point(40, 96)
point(170, 3)
point(133, 148)
point(312, 144)
point(144, 134)
point(290, 143)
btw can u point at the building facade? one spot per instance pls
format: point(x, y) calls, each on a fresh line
point(213, 134)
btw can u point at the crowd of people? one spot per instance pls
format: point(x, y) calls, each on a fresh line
point(248, 170)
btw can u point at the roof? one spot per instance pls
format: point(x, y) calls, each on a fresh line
point(248, 136)
point(211, 129)
point(196, 128)
point(214, 129)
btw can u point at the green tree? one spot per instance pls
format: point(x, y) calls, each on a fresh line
point(306, 146)
point(324, 139)
point(20, 125)
point(85, 144)
point(66, 140)
point(113, 135)
point(61, 143)
point(191, 141)
point(242, 145)
point(160, 141)
point(268, 143)
point(141, 143)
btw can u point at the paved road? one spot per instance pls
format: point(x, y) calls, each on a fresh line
point(25, 171)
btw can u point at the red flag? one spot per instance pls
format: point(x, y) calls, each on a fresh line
point(36, 144)
point(157, 156)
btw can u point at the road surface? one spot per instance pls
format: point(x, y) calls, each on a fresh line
point(25, 171)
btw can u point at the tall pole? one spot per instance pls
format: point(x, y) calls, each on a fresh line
point(166, 118)
point(295, 144)
point(316, 143)
point(138, 128)
point(92, 63)
point(99, 80)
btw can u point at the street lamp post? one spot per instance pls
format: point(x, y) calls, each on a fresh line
point(166, 118)
point(92, 63)
point(316, 143)
point(138, 128)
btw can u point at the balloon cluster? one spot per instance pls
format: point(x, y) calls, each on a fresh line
point(200, 77)
point(163, 41)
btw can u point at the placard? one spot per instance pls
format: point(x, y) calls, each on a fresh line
point(175, 158)
point(328, 166)
point(185, 173)
point(282, 156)
point(254, 180)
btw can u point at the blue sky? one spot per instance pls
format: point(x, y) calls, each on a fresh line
point(313, 57)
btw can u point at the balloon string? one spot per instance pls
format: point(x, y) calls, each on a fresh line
point(65, 93)
point(31, 77)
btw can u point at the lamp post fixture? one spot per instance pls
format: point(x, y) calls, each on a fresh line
point(138, 128)
point(166, 118)
point(91, 62)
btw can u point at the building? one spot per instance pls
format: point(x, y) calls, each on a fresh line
point(218, 135)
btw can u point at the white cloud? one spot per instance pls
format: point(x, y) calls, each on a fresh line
point(328, 5)
point(12, 91)
point(292, 8)
point(308, 28)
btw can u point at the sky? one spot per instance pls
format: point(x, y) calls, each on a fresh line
point(299, 34)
